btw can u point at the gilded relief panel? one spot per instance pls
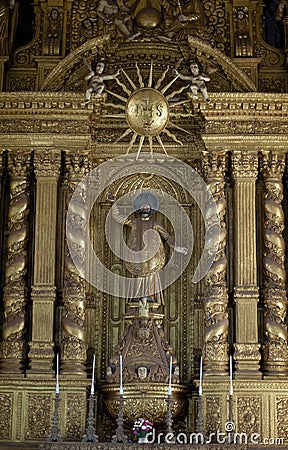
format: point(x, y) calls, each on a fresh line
point(281, 417)
point(6, 408)
point(38, 415)
point(214, 410)
point(75, 416)
point(249, 415)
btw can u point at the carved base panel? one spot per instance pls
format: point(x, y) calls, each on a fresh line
point(259, 413)
point(258, 410)
point(27, 406)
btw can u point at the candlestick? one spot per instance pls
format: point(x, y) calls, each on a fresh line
point(57, 374)
point(170, 377)
point(231, 379)
point(201, 376)
point(93, 376)
point(121, 381)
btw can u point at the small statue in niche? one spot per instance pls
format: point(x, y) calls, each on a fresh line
point(197, 79)
point(243, 44)
point(54, 34)
point(96, 80)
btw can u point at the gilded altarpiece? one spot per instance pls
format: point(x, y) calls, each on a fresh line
point(233, 133)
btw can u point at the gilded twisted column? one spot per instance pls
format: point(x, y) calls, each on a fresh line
point(13, 349)
point(47, 166)
point(246, 293)
point(74, 293)
point(275, 351)
point(215, 300)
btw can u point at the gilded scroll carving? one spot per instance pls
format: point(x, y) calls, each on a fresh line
point(275, 347)
point(216, 296)
point(15, 290)
point(74, 295)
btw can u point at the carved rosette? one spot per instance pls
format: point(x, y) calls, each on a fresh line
point(215, 358)
point(15, 290)
point(74, 293)
point(275, 347)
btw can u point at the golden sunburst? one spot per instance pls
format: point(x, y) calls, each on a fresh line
point(148, 112)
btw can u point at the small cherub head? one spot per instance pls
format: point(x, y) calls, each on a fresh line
point(54, 13)
point(100, 66)
point(142, 372)
point(194, 67)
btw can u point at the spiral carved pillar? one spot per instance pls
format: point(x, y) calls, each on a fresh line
point(47, 167)
point(13, 349)
point(275, 351)
point(246, 292)
point(215, 300)
point(74, 293)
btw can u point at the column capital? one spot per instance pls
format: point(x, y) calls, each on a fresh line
point(19, 162)
point(78, 165)
point(244, 164)
point(47, 162)
point(214, 164)
point(272, 164)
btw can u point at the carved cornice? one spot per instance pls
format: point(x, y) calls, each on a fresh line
point(244, 164)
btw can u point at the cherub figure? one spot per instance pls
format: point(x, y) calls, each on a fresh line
point(197, 81)
point(96, 81)
point(113, 12)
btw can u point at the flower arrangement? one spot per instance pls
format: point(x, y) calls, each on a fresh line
point(142, 427)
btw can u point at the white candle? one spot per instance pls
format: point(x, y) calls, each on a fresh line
point(121, 381)
point(201, 375)
point(57, 374)
point(231, 379)
point(170, 377)
point(93, 376)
